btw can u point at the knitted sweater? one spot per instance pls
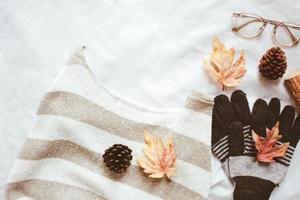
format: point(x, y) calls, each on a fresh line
point(78, 119)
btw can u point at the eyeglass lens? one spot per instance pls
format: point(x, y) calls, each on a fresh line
point(248, 26)
point(287, 35)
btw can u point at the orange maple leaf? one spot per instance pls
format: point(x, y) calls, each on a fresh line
point(266, 147)
point(160, 158)
point(222, 66)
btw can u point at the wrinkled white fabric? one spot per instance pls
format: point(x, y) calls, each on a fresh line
point(159, 43)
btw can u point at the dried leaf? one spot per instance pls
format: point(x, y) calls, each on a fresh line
point(159, 159)
point(266, 147)
point(222, 66)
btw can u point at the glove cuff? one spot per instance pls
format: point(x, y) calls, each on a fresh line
point(249, 188)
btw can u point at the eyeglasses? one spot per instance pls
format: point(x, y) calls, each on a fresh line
point(251, 26)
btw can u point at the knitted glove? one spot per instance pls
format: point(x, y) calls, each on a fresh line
point(263, 116)
point(267, 116)
point(224, 114)
point(254, 179)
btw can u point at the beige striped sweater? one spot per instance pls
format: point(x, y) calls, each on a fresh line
point(78, 119)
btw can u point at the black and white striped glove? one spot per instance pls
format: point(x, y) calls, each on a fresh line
point(263, 116)
point(254, 179)
point(225, 113)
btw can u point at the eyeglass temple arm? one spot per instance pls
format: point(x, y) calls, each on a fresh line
point(265, 20)
point(244, 15)
point(293, 26)
point(276, 23)
point(237, 28)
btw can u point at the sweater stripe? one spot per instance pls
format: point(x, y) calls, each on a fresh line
point(66, 172)
point(78, 80)
point(35, 189)
point(35, 149)
point(93, 154)
point(81, 109)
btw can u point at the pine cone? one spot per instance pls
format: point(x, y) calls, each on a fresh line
point(273, 64)
point(117, 158)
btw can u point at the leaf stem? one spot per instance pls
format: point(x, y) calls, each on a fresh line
point(223, 87)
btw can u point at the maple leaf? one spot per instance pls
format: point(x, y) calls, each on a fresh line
point(160, 158)
point(222, 66)
point(266, 147)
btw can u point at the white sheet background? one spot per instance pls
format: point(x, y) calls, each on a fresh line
point(149, 51)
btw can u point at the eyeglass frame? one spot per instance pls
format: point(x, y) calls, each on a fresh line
point(265, 22)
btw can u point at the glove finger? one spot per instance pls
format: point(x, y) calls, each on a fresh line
point(218, 128)
point(224, 110)
point(219, 140)
point(260, 115)
point(236, 139)
point(295, 133)
point(240, 106)
point(274, 107)
point(286, 121)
